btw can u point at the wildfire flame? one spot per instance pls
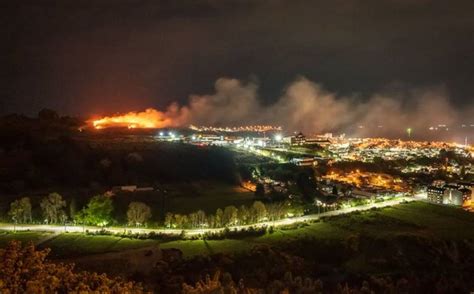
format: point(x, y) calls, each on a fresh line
point(150, 118)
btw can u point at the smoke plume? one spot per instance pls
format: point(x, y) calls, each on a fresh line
point(306, 106)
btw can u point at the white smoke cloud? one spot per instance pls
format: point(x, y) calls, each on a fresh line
point(306, 106)
point(233, 103)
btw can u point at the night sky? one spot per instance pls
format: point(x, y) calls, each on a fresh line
point(96, 57)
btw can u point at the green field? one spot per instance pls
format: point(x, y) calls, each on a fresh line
point(210, 197)
point(185, 198)
point(24, 237)
point(414, 219)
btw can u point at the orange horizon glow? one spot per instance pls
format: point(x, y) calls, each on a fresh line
point(148, 119)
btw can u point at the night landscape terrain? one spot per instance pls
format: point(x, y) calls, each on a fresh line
point(237, 147)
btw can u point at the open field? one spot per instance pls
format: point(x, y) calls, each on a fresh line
point(210, 197)
point(186, 198)
point(23, 236)
point(414, 219)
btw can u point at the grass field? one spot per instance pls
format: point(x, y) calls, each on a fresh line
point(186, 198)
point(24, 237)
point(415, 218)
point(211, 197)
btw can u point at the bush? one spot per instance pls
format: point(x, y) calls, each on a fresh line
point(144, 236)
point(235, 234)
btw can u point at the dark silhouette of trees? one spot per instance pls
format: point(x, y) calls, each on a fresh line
point(138, 213)
point(306, 185)
point(259, 191)
point(97, 212)
point(52, 207)
point(20, 210)
point(23, 269)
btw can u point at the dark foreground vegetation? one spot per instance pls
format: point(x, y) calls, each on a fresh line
point(409, 248)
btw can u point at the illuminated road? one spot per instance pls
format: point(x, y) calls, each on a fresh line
point(190, 232)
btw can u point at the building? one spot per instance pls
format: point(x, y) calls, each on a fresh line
point(304, 161)
point(298, 139)
point(358, 193)
point(131, 188)
point(449, 194)
point(466, 194)
point(435, 194)
point(464, 186)
point(318, 141)
point(452, 195)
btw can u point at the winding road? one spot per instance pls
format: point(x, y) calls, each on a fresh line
point(190, 232)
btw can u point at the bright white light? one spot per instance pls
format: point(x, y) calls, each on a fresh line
point(278, 137)
point(161, 134)
point(193, 137)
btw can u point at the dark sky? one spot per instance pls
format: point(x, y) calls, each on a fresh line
point(102, 56)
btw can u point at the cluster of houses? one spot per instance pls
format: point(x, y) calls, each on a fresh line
point(459, 194)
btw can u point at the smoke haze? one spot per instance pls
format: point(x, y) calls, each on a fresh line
point(306, 106)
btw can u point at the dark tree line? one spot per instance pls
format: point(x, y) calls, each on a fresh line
point(38, 162)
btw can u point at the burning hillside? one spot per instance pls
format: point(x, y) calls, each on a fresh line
point(150, 118)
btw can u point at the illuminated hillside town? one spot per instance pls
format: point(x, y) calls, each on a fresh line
point(437, 172)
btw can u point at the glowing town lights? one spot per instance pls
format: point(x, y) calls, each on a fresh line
point(254, 128)
point(278, 137)
point(361, 179)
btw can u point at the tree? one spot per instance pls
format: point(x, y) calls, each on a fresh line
point(138, 213)
point(178, 220)
point(259, 191)
point(276, 210)
point(20, 210)
point(201, 218)
point(230, 215)
point(98, 211)
point(184, 221)
point(23, 269)
point(219, 215)
point(306, 185)
point(169, 220)
point(193, 219)
point(211, 221)
point(462, 172)
point(72, 208)
point(52, 207)
point(243, 215)
point(259, 211)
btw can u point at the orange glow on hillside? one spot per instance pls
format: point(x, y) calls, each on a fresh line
point(150, 118)
point(368, 179)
